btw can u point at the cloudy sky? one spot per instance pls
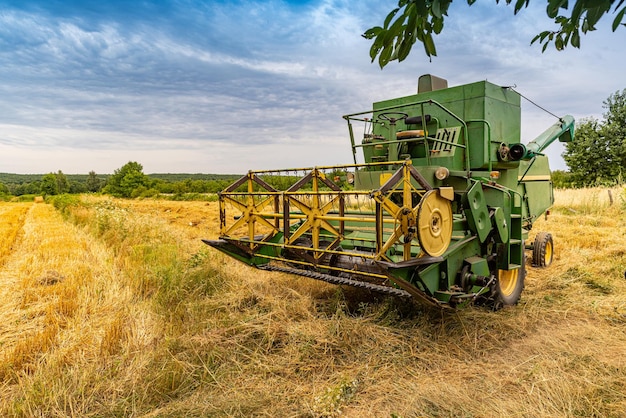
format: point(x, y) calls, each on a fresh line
point(226, 86)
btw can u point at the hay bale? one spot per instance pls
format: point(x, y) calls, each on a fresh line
point(38, 199)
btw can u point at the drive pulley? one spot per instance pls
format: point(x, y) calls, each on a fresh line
point(434, 223)
point(429, 221)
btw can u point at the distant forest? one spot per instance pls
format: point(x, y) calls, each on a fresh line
point(129, 181)
point(159, 183)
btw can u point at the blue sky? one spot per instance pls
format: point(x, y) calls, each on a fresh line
point(227, 86)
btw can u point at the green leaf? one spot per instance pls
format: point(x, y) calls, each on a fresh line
point(576, 39)
point(585, 26)
point(435, 8)
point(541, 36)
point(429, 45)
point(385, 55)
point(519, 5)
point(389, 17)
point(445, 4)
point(437, 25)
point(405, 48)
point(393, 32)
point(422, 8)
point(595, 13)
point(535, 39)
point(558, 43)
point(411, 24)
point(372, 32)
point(554, 6)
point(397, 25)
point(618, 18)
point(377, 45)
point(375, 49)
point(577, 11)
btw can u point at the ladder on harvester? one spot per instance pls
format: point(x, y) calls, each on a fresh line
point(516, 241)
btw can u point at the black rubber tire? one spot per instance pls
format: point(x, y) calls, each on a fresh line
point(543, 250)
point(508, 287)
point(504, 291)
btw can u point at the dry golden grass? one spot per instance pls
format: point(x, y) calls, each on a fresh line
point(593, 198)
point(128, 314)
point(66, 310)
point(12, 218)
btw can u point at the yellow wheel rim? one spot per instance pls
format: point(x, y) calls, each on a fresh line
point(434, 223)
point(507, 280)
point(547, 259)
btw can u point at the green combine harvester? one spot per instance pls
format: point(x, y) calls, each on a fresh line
point(439, 211)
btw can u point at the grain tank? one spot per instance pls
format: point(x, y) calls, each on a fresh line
point(437, 204)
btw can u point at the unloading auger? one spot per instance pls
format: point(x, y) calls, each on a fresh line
point(439, 211)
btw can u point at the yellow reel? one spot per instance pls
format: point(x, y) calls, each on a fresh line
point(434, 223)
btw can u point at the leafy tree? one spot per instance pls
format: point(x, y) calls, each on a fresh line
point(93, 183)
point(418, 20)
point(77, 187)
point(562, 179)
point(615, 127)
point(63, 184)
point(49, 185)
point(126, 179)
point(26, 188)
point(598, 153)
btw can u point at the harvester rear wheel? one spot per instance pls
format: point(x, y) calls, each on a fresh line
point(543, 250)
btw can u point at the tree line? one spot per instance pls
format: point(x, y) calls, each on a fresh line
point(128, 181)
point(597, 156)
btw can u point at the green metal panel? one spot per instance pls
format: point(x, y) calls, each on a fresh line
point(536, 186)
point(476, 212)
point(501, 225)
point(492, 114)
point(478, 265)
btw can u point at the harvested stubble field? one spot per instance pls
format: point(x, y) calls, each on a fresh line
point(115, 308)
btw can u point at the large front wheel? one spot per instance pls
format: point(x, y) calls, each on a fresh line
point(509, 286)
point(505, 288)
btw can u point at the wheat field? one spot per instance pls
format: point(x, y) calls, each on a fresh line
point(115, 308)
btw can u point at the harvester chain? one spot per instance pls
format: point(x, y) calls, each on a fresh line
point(340, 280)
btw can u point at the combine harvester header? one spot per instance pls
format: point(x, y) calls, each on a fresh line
point(439, 210)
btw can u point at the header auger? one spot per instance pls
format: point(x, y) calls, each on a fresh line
point(439, 211)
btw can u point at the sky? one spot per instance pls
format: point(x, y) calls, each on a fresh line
point(190, 86)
